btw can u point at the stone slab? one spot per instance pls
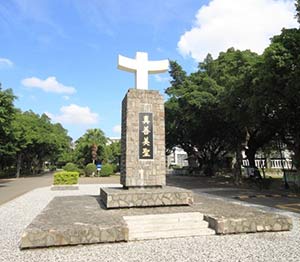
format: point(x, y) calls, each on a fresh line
point(145, 197)
point(73, 220)
point(224, 226)
point(64, 187)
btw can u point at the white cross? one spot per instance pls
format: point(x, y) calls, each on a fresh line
point(142, 67)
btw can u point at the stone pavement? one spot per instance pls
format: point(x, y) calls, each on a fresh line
point(83, 219)
point(11, 188)
point(221, 187)
point(14, 187)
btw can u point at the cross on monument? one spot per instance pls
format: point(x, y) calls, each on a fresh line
point(142, 67)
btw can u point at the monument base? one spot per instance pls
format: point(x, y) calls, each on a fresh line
point(145, 197)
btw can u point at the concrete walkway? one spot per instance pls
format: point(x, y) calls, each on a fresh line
point(219, 186)
point(14, 187)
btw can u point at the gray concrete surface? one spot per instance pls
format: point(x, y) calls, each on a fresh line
point(17, 214)
point(15, 187)
point(221, 187)
point(84, 219)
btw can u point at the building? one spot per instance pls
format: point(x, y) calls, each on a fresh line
point(177, 157)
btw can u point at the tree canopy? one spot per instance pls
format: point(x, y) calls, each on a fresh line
point(238, 101)
point(92, 140)
point(27, 139)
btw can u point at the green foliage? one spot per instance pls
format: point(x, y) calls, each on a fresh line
point(66, 178)
point(70, 167)
point(27, 139)
point(195, 119)
point(7, 112)
point(52, 168)
point(106, 170)
point(113, 154)
point(36, 140)
point(280, 79)
point(90, 169)
point(297, 4)
point(84, 146)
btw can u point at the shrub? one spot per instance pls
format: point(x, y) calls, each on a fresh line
point(70, 167)
point(115, 168)
point(81, 172)
point(52, 168)
point(90, 169)
point(106, 170)
point(66, 178)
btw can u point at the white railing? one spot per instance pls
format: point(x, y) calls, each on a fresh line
point(258, 162)
point(278, 163)
point(273, 163)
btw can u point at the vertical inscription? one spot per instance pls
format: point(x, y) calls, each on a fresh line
point(145, 136)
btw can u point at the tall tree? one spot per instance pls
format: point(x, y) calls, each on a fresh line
point(36, 140)
point(90, 146)
point(297, 4)
point(193, 119)
point(113, 153)
point(7, 112)
point(281, 81)
point(245, 107)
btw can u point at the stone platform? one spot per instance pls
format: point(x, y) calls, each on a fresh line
point(145, 197)
point(74, 220)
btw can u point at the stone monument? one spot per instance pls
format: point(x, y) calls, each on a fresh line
point(143, 163)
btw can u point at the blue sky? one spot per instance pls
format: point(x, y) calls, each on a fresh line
point(60, 56)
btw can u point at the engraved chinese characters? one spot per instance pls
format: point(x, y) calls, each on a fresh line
point(145, 136)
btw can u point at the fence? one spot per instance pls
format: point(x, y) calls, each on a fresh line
point(272, 163)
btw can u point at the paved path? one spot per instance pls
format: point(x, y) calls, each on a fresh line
point(17, 214)
point(13, 187)
point(281, 199)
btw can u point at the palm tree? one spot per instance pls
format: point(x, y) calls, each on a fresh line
point(90, 146)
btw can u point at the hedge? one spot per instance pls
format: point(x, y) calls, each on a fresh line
point(106, 170)
point(66, 178)
point(70, 167)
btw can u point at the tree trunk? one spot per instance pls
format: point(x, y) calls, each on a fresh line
point(94, 153)
point(238, 165)
point(19, 164)
point(296, 157)
point(250, 153)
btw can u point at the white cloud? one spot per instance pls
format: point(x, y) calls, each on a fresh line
point(117, 129)
point(66, 97)
point(162, 79)
point(5, 63)
point(74, 114)
point(247, 24)
point(48, 85)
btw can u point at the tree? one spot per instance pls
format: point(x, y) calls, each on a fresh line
point(113, 153)
point(90, 146)
point(36, 140)
point(193, 119)
point(219, 109)
point(243, 101)
point(297, 4)
point(281, 80)
point(7, 112)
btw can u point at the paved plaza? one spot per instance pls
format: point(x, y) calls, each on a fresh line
point(18, 213)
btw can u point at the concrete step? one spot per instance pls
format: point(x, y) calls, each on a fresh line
point(162, 228)
point(170, 234)
point(171, 216)
point(167, 226)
